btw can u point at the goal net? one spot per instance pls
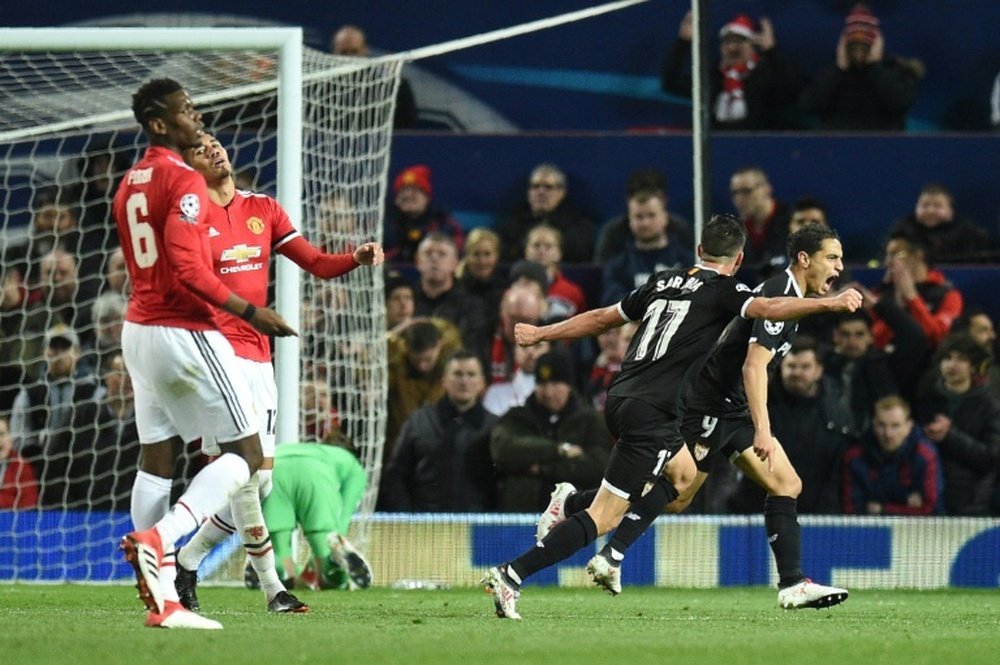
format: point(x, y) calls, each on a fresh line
point(65, 139)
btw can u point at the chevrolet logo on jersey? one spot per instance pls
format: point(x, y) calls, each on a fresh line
point(240, 253)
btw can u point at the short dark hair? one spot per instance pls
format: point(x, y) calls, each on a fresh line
point(723, 235)
point(809, 239)
point(149, 101)
point(804, 343)
point(809, 203)
point(915, 242)
point(464, 354)
point(859, 315)
point(421, 336)
point(645, 178)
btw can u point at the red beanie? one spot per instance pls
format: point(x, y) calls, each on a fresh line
point(860, 25)
point(418, 176)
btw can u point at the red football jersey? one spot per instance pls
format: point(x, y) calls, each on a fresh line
point(159, 209)
point(243, 235)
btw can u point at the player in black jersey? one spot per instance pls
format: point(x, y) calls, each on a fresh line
point(682, 312)
point(726, 412)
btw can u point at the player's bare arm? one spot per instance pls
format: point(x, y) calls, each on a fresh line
point(587, 324)
point(789, 308)
point(755, 385)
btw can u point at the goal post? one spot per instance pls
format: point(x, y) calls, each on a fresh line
point(314, 129)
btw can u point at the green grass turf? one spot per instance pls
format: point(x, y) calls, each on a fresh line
point(80, 625)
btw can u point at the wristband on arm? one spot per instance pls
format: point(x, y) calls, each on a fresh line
point(248, 313)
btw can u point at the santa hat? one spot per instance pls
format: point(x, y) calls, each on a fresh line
point(860, 25)
point(418, 176)
point(741, 25)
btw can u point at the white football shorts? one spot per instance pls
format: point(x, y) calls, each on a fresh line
point(187, 383)
point(259, 377)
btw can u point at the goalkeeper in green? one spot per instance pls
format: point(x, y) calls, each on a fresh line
point(317, 486)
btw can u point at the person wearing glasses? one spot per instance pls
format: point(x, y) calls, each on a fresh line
point(546, 203)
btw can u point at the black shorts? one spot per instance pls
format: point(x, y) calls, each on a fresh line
point(707, 435)
point(646, 439)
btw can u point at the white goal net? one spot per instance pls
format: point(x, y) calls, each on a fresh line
point(66, 137)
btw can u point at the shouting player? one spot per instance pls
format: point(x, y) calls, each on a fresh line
point(244, 229)
point(682, 312)
point(726, 412)
point(186, 380)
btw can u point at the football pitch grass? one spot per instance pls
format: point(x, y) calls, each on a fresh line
point(102, 625)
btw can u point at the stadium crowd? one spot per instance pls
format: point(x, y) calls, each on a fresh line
point(891, 410)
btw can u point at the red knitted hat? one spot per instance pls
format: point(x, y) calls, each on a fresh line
point(418, 176)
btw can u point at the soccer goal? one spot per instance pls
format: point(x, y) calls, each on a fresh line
point(309, 128)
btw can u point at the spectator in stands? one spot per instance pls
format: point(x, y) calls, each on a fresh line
point(520, 304)
point(766, 220)
point(861, 373)
point(651, 248)
point(753, 87)
point(98, 458)
point(350, 40)
point(979, 326)
point(866, 90)
point(108, 315)
point(54, 225)
point(616, 231)
point(21, 337)
point(416, 361)
point(115, 274)
point(503, 396)
point(439, 296)
point(441, 460)
point(479, 273)
point(555, 437)
point(950, 238)
point(808, 417)
point(531, 275)
point(399, 301)
point(319, 415)
point(64, 295)
point(564, 298)
point(18, 485)
point(44, 409)
point(612, 346)
point(414, 214)
point(893, 469)
point(100, 168)
point(911, 292)
point(963, 420)
point(807, 210)
point(546, 203)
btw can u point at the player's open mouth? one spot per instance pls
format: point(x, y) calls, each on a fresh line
point(830, 280)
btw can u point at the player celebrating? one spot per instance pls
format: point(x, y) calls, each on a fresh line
point(726, 412)
point(244, 229)
point(183, 370)
point(682, 311)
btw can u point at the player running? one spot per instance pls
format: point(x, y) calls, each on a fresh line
point(682, 312)
point(183, 370)
point(726, 412)
point(244, 229)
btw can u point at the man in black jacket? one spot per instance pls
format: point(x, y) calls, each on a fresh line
point(441, 460)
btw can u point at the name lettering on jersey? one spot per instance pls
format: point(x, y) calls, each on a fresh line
point(783, 349)
point(690, 285)
point(140, 176)
point(256, 225)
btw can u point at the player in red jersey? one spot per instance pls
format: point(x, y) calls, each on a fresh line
point(183, 369)
point(244, 229)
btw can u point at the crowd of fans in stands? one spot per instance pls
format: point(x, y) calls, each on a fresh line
point(891, 410)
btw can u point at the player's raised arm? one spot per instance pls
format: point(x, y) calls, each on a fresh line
point(788, 308)
point(587, 324)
